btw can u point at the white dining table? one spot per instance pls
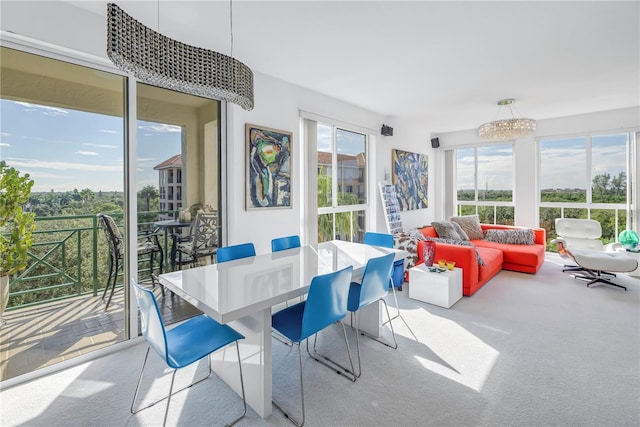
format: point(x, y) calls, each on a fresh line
point(242, 292)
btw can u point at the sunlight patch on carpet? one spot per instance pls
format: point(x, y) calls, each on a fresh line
point(467, 359)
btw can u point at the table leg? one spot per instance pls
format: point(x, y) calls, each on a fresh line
point(370, 320)
point(255, 351)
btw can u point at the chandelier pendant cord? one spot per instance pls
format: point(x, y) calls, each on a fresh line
point(231, 26)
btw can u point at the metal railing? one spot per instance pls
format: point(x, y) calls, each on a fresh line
point(69, 258)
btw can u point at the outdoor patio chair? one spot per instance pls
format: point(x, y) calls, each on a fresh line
point(147, 247)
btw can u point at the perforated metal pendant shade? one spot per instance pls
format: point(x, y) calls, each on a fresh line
point(160, 61)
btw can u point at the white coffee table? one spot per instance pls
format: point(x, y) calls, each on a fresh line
point(441, 289)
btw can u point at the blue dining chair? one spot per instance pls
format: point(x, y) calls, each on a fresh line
point(373, 287)
point(326, 304)
point(386, 241)
point(230, 253)
point(283, 243)
point(182, 345)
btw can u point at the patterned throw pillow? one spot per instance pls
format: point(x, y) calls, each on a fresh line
point(460, 231)
point(471, 225)
point(460, 243)
point(446, 230)
point(405, 241)
point(523, 236)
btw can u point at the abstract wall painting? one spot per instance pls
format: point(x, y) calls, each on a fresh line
point(411, 179)
point(268, 167)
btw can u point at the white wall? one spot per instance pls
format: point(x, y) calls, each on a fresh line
point(278, 105)
point(416, 138)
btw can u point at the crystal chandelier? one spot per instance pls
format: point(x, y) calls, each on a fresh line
point(513, 128)
point(158, 60)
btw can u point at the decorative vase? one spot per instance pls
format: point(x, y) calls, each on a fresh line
point(629, 239)
point(4, 296)
point(428, 252)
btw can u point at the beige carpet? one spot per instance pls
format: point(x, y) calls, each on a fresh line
point(525, 350)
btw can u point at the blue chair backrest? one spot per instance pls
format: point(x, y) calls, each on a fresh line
point(326, 302)
point(152, 325)
point(378, 239)
point(229, 253)
point(282, 243)
point(375, 280)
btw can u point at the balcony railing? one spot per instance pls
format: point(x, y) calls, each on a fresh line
point(69, 258)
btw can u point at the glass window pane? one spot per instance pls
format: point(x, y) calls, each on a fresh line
point(495, 173)
point(63, 124)
point(466, 210)
point(325, 227)
point(607, 220)
point(325, 150)
point(486, 214)
point(548, 222)
point(563, 166)
point(351, 167)
point(465, 174)
point(505, 215)
point(608, 170)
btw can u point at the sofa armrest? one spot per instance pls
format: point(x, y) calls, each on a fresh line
point(463, 256)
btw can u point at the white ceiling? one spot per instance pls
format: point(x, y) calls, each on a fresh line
point(442, 64)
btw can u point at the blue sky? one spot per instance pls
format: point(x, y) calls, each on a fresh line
point(65, 149)
point(563, 163)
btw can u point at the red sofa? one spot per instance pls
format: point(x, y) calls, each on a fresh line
point(496, 256)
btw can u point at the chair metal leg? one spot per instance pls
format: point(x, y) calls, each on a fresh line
point(277, 335)
point(171, 392)
point(113, 286)
point(106, 287)
point(286, 414)
point(596, 277)
point(244, 399)
point(332, 364)
point(358, 333)
point(395, 297)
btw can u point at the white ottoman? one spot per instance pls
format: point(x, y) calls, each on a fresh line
point(441, 289)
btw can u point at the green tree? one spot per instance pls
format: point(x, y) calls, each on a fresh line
point(148, 194)
point(345, 222)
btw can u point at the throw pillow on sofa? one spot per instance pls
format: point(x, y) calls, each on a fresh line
point(446, 230)
point(471, 225)
point(405, 241)
point(524, 236)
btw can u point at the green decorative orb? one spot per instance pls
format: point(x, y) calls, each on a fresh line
point(629, 239)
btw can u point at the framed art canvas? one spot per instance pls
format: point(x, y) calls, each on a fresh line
point(411, 179)
point(268, 167)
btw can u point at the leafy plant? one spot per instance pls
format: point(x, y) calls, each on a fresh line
point(16, 226)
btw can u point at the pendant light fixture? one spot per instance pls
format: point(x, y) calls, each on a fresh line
point(160, 61)
point(505, 129)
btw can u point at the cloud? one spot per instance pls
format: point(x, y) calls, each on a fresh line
point(5, 134)
point(49, 111)
point(108, 131)
point(89, 144)
point(5, 144)
point(86, 153)
point(160, 128)
point(65, 166)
